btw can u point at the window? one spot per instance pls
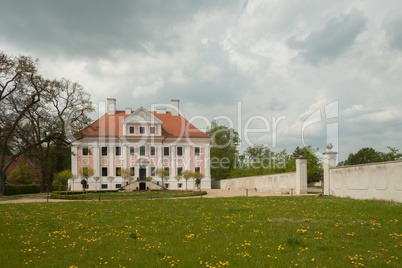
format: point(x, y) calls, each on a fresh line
point(179, 185)
point(142, 150)
point(118, 186)
point(167, 168)
point(152, 130)
point(104, 150)
point(153, 151)
point(197, 169)
point(142, 130)
point(152, 171)
point(132, 171)
point(85, 151)
point(131, 130)
point(118, 150)
point(132, 150)
point(104, 186)
point(179, 151)
point(166, 151)
point(87, 186)
point(197, 151)
point(166, 185)
point(118, 171)
point(104, 171)
point(179, 170)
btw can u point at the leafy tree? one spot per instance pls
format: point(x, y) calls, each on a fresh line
point(163, 174)
point(224, 142)
point(186, 175)
point(37, 116)
point(63, 176)
point(21, 87)
point(86, 173)
point(314, 164)
point(126, 174)
point(22, 174)
point(370, 155)
point(258, 154)
point(198, 177)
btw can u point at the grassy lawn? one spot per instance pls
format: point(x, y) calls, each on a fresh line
point(237, 232)
point(18, 196)
point(130, 195)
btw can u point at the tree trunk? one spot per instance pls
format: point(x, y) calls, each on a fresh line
point(3, 179)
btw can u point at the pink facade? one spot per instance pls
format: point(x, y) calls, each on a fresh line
point(141, 141)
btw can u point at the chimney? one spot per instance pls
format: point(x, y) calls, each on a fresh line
point(174, 106)
point(128, 110)
point(111, 106)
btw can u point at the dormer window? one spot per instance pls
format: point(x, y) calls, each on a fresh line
point(131, 129)
point(152, 130)
point(142, 130)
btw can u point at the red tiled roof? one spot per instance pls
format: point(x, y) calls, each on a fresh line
point(172, 126)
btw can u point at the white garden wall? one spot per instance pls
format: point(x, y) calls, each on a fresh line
point(295, 182)
point(378, 180)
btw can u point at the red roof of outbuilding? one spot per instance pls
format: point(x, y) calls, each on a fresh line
point(172, 126)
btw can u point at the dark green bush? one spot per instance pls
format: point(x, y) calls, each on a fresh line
point(21, 189)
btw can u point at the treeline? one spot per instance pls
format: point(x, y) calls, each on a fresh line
point(369, 155)
point(227, 162)
point(38, 117)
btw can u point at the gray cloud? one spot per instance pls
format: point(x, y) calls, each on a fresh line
point(331, 41)
point(97, 28)
point(394, 30)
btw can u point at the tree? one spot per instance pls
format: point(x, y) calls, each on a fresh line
point(22, 174)
point(126, 175)
point(96, 179)
point(20, 89)
point(197, 178)
point(37, 116)
point(224, 142)
point(162, 173)
point(187, 174)
point(370, 155)
point(258, 154)
point(314, 164)
point(86, 173)
point(63, 176)
point(61, 113)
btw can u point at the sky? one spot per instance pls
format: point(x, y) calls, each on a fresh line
point(281, 73)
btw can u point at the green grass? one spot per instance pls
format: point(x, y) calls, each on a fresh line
point(238, 232)
point(128, 195)
point(18, 196)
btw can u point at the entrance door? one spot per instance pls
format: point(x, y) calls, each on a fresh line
point(143, 174)
point(142, 186)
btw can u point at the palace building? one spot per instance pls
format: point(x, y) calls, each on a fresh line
point(141, 141)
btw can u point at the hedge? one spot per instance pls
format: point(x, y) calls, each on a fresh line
point(10, 189)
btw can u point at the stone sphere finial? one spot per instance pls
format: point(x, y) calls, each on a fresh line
point(330, 146)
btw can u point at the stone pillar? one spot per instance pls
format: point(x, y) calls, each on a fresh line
point(301, 176)
point(329, 162)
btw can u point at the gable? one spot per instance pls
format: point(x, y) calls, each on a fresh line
point(141, 116)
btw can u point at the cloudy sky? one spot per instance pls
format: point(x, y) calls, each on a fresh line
point(298, 70)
